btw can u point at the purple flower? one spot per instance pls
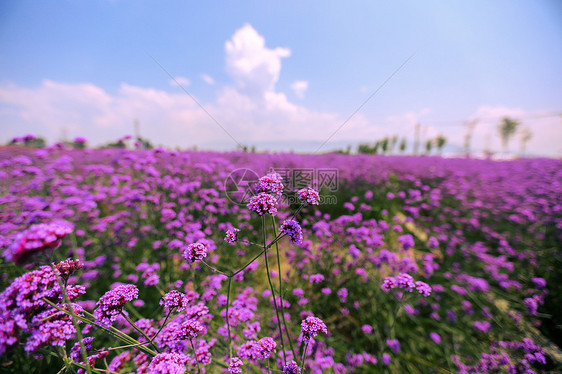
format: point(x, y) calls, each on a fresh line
point(194, 252)
point(175, 299)
point(435, 337)
point(234, 367)
point(393, 344)
point(168, 363)
point(309, 195)
point(291, 368)
point(67, 267)
point(483, 326)
point(316, 278)
point(112, 302)
point(22, 309)
point(271, 183)
point(539, 282)
point(266, 347)
point(342, 294)
point(388, 284)
point(423, 288)
point(311, 326)
point(189, 329)
point(75, 352)
point(404, 280)
point(263, 203)
point(232, 236)
point(407, 241)
point(367, 329)
point(37, 238)
point(386, 359)
point(292, 228)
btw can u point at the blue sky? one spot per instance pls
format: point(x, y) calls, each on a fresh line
point(281, 75)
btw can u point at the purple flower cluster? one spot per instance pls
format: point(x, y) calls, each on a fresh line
point(231, 236)
point(406, 282)
point(263, 203)
point(36, 239)
point(111, 304)
point(22, 310)
point(291, 368)
point(272, 183)
point(66, 268)
point(194, 252)
point(175, 300)
point(309, 195)
point(234, 366)
point(257, 350)
point(292, 228)
point(168, 363)
point(311, 326)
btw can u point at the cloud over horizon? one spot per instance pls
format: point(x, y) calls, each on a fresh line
point(251, 108)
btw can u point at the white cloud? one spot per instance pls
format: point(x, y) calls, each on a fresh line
point(181, 80)
point(299, 87)
point(254, 67)
point(251, 110)
point(208, 79)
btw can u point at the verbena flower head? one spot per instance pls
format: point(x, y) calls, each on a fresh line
point(266, 347)
point(291, 368)
point(194, 252)
point(311, 326)
point(168, 363)
point(112, 302)
point(234, 367)
point(189, 329)
point(175, 299)
point(232, 236)
point(406, 282)
point(271, 183)
point(67, 267)
point(263, 203)
point(423, 288)
point(36, 239)
point(293, 229)
point(309, 195)
point(22, 307)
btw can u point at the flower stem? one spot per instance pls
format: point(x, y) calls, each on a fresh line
point(273, 290)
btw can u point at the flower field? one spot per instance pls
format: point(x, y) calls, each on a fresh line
point(131, 261)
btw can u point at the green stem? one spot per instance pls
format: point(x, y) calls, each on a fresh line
point(140, 331)
point(304, 356)
point(227, 320)
point(281, 296)
point(272, 290)
point(74, 322)
point(113, 331)
point(161, 327)
point(195, 355)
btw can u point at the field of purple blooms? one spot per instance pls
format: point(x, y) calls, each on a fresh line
point(153, 261)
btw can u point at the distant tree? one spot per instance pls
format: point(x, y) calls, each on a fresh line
point(384, 145)
point(376, 147)
point(440, 142)
point(428, 146)
point(507, 127)
point(402, 146)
